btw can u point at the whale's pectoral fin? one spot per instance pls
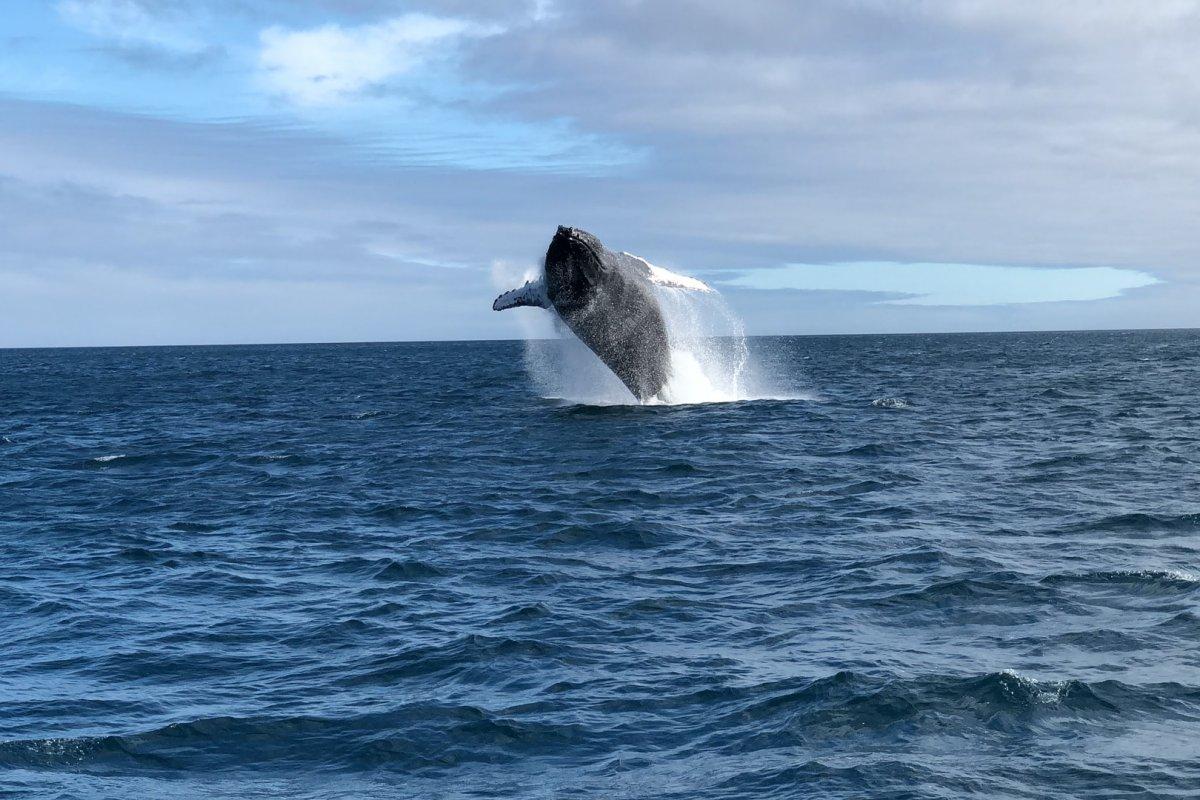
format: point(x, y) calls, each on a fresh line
point(533, 293)
point(664, 277)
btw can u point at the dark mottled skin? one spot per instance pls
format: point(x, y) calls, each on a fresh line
point(606, 299)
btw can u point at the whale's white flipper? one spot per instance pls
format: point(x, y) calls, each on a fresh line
point(533, 293)
point(664, 277)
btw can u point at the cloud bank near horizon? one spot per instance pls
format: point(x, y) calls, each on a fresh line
point(191, 172)
point(950, 284)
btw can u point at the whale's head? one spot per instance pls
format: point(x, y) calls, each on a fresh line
point(575, 264)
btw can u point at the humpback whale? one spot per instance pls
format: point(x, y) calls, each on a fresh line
point(607, 300)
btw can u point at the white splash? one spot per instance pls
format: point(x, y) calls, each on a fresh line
point(709, 357)
point(710, 362)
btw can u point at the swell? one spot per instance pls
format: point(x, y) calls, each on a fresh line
point(414, 737)
point(309, 566)
point(420, 737)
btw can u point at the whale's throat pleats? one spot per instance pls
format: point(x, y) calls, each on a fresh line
point(622, 324)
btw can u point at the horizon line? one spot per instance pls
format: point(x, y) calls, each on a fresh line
point(551, 339)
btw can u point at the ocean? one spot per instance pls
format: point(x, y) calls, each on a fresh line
point(921, 566)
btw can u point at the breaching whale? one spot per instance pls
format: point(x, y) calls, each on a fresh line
point(607, 300)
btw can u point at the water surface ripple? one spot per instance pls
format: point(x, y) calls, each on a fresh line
point(969, 567)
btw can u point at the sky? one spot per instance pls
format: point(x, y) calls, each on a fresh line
point(225, 171)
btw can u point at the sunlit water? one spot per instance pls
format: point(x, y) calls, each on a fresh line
point(964, 566)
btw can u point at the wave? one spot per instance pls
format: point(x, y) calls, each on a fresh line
point(417, 737)
point(1071, 461)
point(893, 403)
point(710, 722)
point(385, 569)
point(1001, 599)
point(275, 458)
point(873, 450)
point(1143, 581)
point(1060, 394)
point(848, 705)
point(1141, 522)
point(176, 458)
point(495, 655)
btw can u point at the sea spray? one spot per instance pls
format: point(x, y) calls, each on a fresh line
point(559, 365)
point(710, 361)
point(709, 357)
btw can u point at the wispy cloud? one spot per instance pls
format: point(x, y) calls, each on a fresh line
point(332, 64)
point(129, 23)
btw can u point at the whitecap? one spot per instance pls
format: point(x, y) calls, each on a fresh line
point(1046, 692)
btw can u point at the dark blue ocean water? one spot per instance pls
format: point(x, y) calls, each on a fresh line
point(392, 570)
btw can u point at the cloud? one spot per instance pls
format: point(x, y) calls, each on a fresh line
point(195, 232)
point(148, 308)
point(130, 24)
point(342, 143)
point(962, 132)
point(951, 284)
point(331, 64)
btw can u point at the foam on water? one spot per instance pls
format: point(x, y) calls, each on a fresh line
point(891, 402)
